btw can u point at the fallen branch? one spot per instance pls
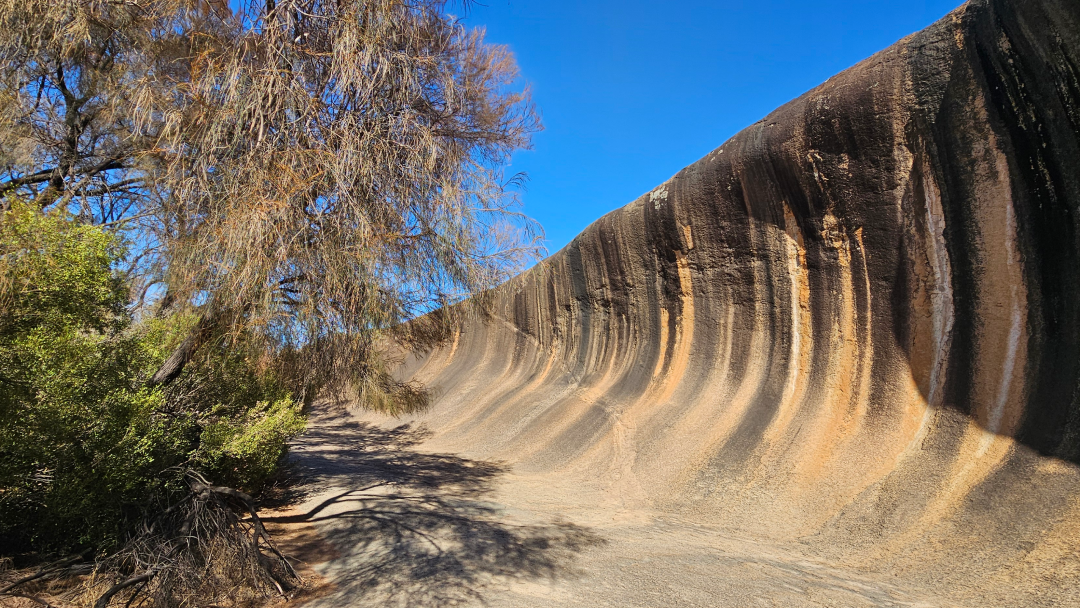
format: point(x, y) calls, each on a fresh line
point(260, 530)
point(209, 545)
point(46, 570)
point(103, 601)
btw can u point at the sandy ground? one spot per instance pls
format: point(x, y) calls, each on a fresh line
point(407, 526)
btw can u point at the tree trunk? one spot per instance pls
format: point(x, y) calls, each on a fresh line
point(182, 355)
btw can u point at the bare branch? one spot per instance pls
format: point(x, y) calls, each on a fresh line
point(103, 601)
point(47, 175)
point(44, 571)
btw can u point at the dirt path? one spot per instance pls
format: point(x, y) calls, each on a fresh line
point(412, 527)
point(851, 330)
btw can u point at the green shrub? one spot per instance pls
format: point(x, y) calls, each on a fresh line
point(245, 451)
point(87, 449)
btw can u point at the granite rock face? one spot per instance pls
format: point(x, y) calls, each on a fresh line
point(856, 323)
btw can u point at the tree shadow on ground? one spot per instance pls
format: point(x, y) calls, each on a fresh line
point(413, 528)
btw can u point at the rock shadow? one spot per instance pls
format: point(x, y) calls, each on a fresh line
point(414, 528)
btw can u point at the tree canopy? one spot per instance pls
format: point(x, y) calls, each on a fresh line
point(312, 171)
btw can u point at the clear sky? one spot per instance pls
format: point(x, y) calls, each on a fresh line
point(632, 91)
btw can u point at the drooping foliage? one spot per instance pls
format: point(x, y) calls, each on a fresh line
point(213, 212)
point(307, 173)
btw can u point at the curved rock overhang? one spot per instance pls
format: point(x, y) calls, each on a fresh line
point(856, 323)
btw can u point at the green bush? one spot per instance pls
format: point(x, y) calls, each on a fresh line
point(87, 448)
point(243, 451)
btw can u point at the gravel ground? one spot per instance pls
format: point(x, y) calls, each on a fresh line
point(411, 527)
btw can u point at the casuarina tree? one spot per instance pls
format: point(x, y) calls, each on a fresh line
point(296, 183)
point(314, 171)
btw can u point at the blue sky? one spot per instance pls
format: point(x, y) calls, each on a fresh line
point(632, 91)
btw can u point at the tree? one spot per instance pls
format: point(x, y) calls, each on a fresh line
point(293, 180)
point(314, 172)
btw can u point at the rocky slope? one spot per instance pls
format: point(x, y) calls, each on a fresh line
point(855, 325)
